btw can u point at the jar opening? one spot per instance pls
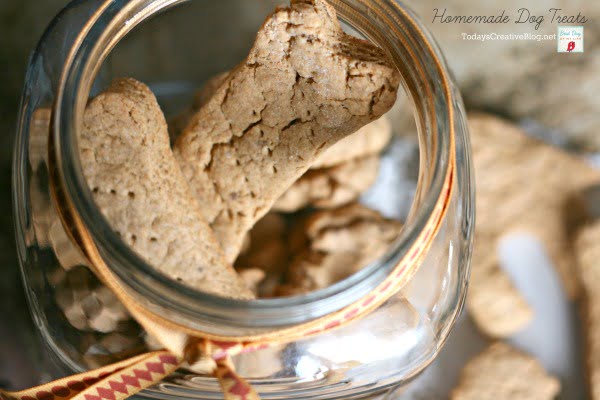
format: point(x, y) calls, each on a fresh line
point(385, 23)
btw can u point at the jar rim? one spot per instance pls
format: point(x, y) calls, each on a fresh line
point(433, 109)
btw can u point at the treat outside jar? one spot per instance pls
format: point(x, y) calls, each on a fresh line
point(174, 46)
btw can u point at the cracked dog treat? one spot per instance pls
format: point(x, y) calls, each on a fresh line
point(336, 244)
point(304, 86)
point(368, 140)
point(523, 185)
point(503, 373)
point(588, 253)
point(330, 187)
point(137, 184)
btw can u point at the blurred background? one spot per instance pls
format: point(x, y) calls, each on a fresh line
point(554, 96)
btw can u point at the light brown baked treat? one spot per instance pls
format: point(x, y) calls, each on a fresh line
point(588, 254)
point(337, 244)
point(137, 184)
point(179, 122)
point(369, 140)
point(252, 278)
point(503, 373)
point(330, 187)
point(38, 137)
point(523, 185)
point(304, 86)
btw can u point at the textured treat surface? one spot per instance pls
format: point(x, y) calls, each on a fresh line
point(304, 86)
point(588, 252)
point(136, 182)
point(330, 187)
point(368, 140)
point(523, 186)
point(335, 244)
point(503, 373)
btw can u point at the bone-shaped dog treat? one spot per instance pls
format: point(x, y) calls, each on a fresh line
point(503, 373)
point(330, 187)
point(523, 185)
point(304, 86)
point(368, 140)
point(137, 184)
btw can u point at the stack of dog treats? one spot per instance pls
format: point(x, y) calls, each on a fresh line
point(285, 144)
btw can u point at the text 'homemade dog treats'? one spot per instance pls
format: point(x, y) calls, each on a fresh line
point(137, 184)
point(304, 86)
point(522, 186)
point(503, 373)
point(588, 254)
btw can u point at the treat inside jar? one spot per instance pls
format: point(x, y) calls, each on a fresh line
point(292, 134)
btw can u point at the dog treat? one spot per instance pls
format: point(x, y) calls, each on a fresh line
point(252, 278)
point(38, 134)
point(523, 185)
point(66, 252)
point(330, 187)
point(137, 184)
point(368, 140)
point(338, 243)
point(304, 86)
point(500, 372)
point(87, 304)
point(178, 123)
point(588, 252)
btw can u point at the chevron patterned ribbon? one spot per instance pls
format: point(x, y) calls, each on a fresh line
point(124, 379)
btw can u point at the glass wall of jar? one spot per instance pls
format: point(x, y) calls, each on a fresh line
point(174, 46)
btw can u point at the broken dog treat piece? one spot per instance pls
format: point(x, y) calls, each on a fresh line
point(588, 253)
point(137, 184)
point(503, 373)
point(338, 243)
point(304, 86)
point(523, 185)
point(330, 187)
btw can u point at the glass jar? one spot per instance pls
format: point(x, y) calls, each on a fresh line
point(174, 46)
